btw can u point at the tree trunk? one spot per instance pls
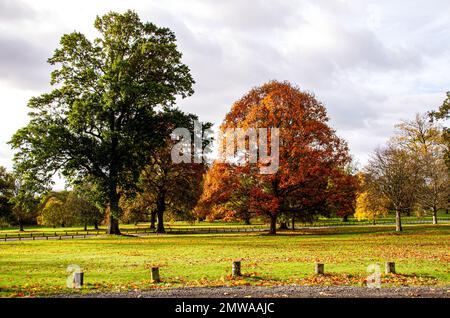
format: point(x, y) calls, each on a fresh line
point(293, 223)
point(283, 226)
point(247, 219)
point(20, 225)
point(160, 208)
point(95, 225)
point(113, 226)
point(85, 226)
point(398, 221)
point(153, 220)
point(446, 211)
point(273, 224)
point(435, 221)
point(345, 218)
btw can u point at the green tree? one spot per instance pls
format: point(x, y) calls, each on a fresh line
point(6, 189)
point(443, 114)
point(109, 110)
point(83, 211)
point(55, 214)
point(25, 202)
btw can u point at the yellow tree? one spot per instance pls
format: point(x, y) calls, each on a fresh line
point(367, 209)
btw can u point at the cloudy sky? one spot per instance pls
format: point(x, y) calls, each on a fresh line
point(372, 63)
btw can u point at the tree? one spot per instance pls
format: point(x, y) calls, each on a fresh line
point(83, 211)
point(393, 174)
point(425, 143)
point(226, 194)
point(54, 213)
point(369, 205)
point(169, 186)
point(6, 189)
point(24, 201)
point(109, 110)
point(310, 153)
point(443, 113)
point(341, 193)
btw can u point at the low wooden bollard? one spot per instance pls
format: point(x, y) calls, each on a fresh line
point(319, 268)
point(390, 268)
point(78, 279)
point(236, 269)
point(155, 275)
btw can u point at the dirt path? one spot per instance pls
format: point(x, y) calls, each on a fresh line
point(281, 292)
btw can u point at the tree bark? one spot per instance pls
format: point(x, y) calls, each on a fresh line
point(293, 223)
point(95, 225)
point(20, 225)
point(160, 208)
point(435, 221)
point(246, 219)
point(113, 226)
point(85, 226)
point(153, 220)
point(345, 218)
point(273, 224)
point(398, 221)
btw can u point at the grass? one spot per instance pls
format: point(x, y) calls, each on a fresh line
point(421, 253)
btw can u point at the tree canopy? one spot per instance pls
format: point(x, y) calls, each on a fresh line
point(108, 111)
point(312, 159)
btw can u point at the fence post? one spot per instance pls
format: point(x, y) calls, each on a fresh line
point(78, 279)
point(390, 268)
point(236, 269)
point(319, 269)
point(155, 275)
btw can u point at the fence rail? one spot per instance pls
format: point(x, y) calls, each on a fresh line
point(70, 234)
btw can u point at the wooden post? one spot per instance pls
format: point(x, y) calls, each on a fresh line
point(390, 268)
point(236, 269)
point(155, 275)
point(78, 279)
point(319, 270)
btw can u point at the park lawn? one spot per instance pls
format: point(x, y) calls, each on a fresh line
point(421, 253)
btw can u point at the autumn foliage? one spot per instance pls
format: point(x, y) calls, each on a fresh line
point(311, 179)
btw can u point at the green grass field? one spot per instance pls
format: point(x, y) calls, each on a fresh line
point(421, 253)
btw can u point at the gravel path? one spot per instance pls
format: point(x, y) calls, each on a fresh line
point(292, 291)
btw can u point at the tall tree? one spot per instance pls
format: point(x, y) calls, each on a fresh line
point(310, 153)
point(393, 174)
point(425, 141)
point(109, 109)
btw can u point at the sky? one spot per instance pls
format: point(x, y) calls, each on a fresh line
point(371, 63)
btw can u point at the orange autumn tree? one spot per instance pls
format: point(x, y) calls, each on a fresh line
point(312, 159)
